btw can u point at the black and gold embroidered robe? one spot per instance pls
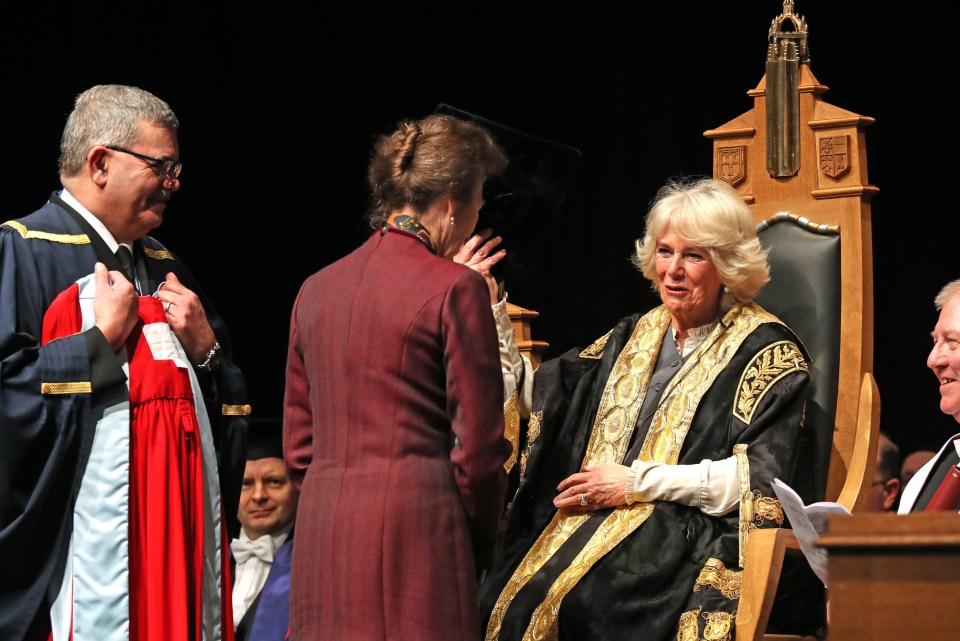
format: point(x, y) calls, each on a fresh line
point(641, 570)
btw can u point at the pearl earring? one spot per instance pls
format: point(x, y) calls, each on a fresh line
point(453, 221)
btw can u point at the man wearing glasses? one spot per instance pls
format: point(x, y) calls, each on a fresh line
point(115, 384)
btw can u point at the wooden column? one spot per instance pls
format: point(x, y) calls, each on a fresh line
point(521, 318)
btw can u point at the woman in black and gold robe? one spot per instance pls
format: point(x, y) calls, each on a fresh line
point(650, 455)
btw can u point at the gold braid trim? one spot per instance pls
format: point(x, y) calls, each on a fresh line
point(80, 387)
point(553, 536)
point(716, 575)
point(616, 418)
point(595, 351)
point(236, 410)
point(688, 629)
point(718, 626)
point(769, 366)
point(625, 388)
point(533, 431)
point(681, 398)
point(614, 529)
point(511, 429)
point(755, 508)
point(158, 254)
point(746, 497)
point(66, 239)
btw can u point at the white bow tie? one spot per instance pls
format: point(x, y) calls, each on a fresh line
point(261, 547)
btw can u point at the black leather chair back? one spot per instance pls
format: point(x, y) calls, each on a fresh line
point(804, 292)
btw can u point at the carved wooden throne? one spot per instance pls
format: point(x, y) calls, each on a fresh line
point(801, 165)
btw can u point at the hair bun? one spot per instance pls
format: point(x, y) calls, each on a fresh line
point(408, 146)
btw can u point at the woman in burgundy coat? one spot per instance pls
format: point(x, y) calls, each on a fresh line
point(393, 413)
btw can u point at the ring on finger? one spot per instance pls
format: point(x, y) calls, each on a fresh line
point(166, 306)
point(584, 501)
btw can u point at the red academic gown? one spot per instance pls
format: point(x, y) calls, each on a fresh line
point(146, 560)
point(393, 429)
point(53, 397)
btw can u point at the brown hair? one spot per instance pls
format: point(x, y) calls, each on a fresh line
point(423, 160)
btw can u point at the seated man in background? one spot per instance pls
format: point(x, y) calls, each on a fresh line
point(912, 462)
point(944, 360)
point(262, 553)
point(886, 481)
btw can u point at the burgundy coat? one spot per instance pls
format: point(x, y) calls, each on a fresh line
point(393, 429)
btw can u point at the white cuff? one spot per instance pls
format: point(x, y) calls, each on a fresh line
point(638, 487)
point(514, 367)
point(711, 485)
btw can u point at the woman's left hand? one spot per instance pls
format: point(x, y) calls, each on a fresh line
point(595, 487)
point(479, 254)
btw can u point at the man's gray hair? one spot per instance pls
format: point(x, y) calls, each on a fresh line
point(109, 115)
point(949, 290)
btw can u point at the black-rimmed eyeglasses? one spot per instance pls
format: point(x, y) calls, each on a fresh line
point(166, 169)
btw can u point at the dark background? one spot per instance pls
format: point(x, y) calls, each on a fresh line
point(279, 105)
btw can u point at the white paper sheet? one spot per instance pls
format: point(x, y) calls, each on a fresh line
point(808, 522)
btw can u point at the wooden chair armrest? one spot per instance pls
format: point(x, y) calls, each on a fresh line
point(762, 564)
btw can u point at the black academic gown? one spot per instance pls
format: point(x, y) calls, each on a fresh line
point(46, 437)
point(645, 570)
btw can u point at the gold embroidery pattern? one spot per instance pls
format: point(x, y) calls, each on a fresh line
point(716, 575)
point(511, 429)
point(614, 529)
point(672, 420)
point(66, 239)
point(552, 537)
point(754, 507)
point(595, 351)
point(689, 627)
point(746, 497)
point(769, 366)
point(66, 388)
point(625, 388)
point(718, 626)
point(158, 254)
point(236, 410)
point(533, 431)
point(766, 508)
point(616, 418)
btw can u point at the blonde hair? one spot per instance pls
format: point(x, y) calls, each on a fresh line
point(709, 213)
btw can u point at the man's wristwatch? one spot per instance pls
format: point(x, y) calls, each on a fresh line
point(212, 361)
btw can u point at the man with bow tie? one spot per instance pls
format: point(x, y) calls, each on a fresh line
point(262, 553)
